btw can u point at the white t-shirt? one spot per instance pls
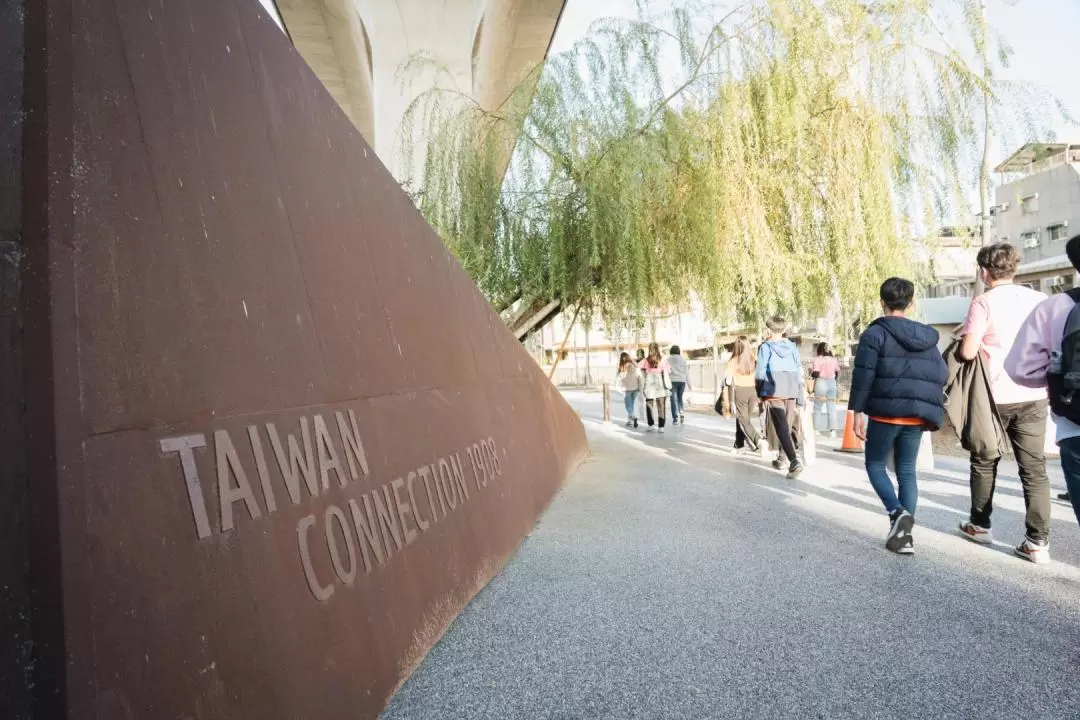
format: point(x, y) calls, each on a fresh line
point(996, 316)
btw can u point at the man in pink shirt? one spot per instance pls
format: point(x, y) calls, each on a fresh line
point(1036, 353)
point(991, 327)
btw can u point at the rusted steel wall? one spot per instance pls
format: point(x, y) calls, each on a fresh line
point(276, 439)
point(15, 637)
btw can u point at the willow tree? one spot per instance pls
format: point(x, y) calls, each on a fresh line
point(768, 159)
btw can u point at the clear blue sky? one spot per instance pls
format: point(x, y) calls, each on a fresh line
point(1041, 33)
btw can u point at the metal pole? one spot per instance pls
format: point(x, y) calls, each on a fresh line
point(588, 362)
point(985, 229)
point(715, 363)
point(577, 376)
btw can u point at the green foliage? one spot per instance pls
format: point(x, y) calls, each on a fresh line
point(770, 159)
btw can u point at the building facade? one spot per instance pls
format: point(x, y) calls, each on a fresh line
point(1037, 208)
point(948, 264)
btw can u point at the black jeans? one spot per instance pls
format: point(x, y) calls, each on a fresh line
point(1025, 424)
point(746, 399)
point(660, 404)
point(781, 412)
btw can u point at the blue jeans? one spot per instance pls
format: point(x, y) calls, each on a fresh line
point(825, 404)
point(630, 402)
point(903, 441)
point(677, 390)
point(1070, 465)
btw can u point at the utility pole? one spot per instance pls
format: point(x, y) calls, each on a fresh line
point(985, 228)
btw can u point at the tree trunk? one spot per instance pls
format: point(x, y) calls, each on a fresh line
point(559, 351)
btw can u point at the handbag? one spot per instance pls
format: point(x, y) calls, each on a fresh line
point(719, 406)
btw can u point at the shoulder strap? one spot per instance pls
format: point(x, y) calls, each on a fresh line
point(1072, 323)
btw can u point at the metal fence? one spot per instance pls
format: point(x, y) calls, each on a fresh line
point(699, 372)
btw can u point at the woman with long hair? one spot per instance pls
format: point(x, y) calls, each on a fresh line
point(740, 369)
point(628, 379)
point(824, 371)
point(657, 386)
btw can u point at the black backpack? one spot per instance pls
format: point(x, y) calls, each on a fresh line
point(1063, 380)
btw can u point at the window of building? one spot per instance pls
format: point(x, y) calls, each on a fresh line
point(1030, 239)
point(1058, 232)
point(1060, 283)
point(1030, 204)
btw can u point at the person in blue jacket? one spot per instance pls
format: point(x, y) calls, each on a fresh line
point(899, 382)
point(780, 386)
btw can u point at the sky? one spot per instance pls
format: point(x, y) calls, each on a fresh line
point(1041, 33)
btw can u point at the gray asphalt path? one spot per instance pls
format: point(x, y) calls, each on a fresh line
point(672, 580)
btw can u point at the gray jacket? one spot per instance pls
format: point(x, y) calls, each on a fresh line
point(969, 405)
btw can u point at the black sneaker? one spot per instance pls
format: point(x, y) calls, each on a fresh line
point(1064, 497)
point(635, 422)
point(794, 470)
point(899, 538)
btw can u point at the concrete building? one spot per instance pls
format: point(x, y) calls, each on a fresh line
point(947, 262)
point(358, 49)
point(1037, 208)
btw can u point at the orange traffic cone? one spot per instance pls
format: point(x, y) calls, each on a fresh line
point(851, 444)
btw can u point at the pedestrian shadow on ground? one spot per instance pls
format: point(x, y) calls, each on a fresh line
point(701, 447)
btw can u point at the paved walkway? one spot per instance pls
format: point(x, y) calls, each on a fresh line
point(672, 580)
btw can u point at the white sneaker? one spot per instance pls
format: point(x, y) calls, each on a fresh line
point(1033, 551)
point(976, 533)
point(661, 428)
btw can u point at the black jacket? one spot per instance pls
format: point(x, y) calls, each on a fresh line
point(899, 372)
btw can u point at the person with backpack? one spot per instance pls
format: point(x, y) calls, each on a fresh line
point(1046, 356)
point(778, 376)
point(899, 382)
point(991, 328)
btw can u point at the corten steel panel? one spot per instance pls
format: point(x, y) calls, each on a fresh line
point(245, 352)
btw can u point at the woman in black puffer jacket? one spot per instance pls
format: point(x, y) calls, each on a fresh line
point(899, 381)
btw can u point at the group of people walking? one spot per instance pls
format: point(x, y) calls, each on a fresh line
point(1016, 356)
point(993, 384)
point(655, 379)
point(770, 377)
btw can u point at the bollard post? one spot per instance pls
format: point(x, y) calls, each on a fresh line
point(607, 402)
